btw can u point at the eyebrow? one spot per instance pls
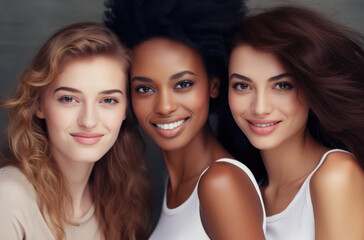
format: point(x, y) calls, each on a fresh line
point(175, 76)
point(111, 91)
point(68, 89)
point(142, 79)
point(181, 74)
point(274, 78)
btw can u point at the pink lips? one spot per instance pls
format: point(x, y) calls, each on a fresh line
point(87, 138)
point(263, 127)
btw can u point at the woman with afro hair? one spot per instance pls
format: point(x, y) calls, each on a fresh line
point(178, 60)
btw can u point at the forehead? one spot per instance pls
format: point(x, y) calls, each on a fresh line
point(96, 71)
point(158, 54)
point(250, 61)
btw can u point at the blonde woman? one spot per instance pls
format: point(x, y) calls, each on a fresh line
point(74, 169)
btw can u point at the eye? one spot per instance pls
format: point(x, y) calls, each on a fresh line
point(109, 101)
point(283, 86)
point(143, 89)
point(67, 99)
point(184, 84)
point(241, 86)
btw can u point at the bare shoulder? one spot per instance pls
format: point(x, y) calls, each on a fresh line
point(222, 176)
point(337, 196)
point(229, 203)
point(339, 170)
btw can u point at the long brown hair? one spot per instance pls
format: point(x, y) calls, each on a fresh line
point(327, 63)
point(118, 180)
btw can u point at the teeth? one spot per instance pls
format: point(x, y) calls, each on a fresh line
point(170, 126)
point(264, 125)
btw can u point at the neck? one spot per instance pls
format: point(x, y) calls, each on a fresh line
point(77, 175)
point(292, 160)
point(189, 162)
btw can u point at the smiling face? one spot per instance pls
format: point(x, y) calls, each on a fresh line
point(84, 109)
point(264, 100)
point(170, 92)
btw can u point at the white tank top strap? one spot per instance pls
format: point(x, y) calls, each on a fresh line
point(297, 220)
point(323, 159)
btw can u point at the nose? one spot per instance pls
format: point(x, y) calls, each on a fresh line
point(88, 116)
point(165, 103)
point(262, 104)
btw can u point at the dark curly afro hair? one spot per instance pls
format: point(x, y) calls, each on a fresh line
point(203, 25)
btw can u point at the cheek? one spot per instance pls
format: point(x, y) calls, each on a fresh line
point(114, 118)
point(196, 101)
point(139, 106)
point(57, 118)
point(114, 121)
point(237, 103)
point(295, 106)
point(202, 94)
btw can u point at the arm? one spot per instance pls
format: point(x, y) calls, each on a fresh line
point(230, 205)
point(337, 193)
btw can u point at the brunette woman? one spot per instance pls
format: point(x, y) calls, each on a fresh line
point(73, 168)
point(178, 61)
point(296, 90)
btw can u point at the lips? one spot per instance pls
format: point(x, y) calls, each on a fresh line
point(263, 127)
point(87, 138)
point(170, 128)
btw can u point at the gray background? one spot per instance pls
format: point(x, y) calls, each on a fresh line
point(26, 24)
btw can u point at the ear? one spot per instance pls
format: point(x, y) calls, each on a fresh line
point(40, 113)
point(214, 87)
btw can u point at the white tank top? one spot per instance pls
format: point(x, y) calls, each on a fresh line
point(296, 221)
point(184, 221)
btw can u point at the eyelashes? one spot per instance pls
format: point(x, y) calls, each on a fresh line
point(241, 86)
point(184, 84)
point(283, 86)
point(67, 99)
point(110, 101)
point(179, 86)
point(71, 99)
point(143, 89)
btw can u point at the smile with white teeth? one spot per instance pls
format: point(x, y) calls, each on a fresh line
point(170, 126)
point(264, 125)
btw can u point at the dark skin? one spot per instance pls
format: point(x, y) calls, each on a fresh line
point(183, 182)
point(170, 99)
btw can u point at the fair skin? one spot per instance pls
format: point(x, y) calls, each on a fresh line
point(170, 98)
point(83, 110)
point(272, 113)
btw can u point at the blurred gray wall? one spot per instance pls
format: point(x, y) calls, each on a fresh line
point(346, 12)
point(26, 24)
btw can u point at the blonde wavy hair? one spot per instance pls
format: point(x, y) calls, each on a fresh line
point(118, 180)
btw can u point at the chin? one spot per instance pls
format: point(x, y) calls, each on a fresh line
point(90, 158)
point(262, 145)
point(170, 145)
